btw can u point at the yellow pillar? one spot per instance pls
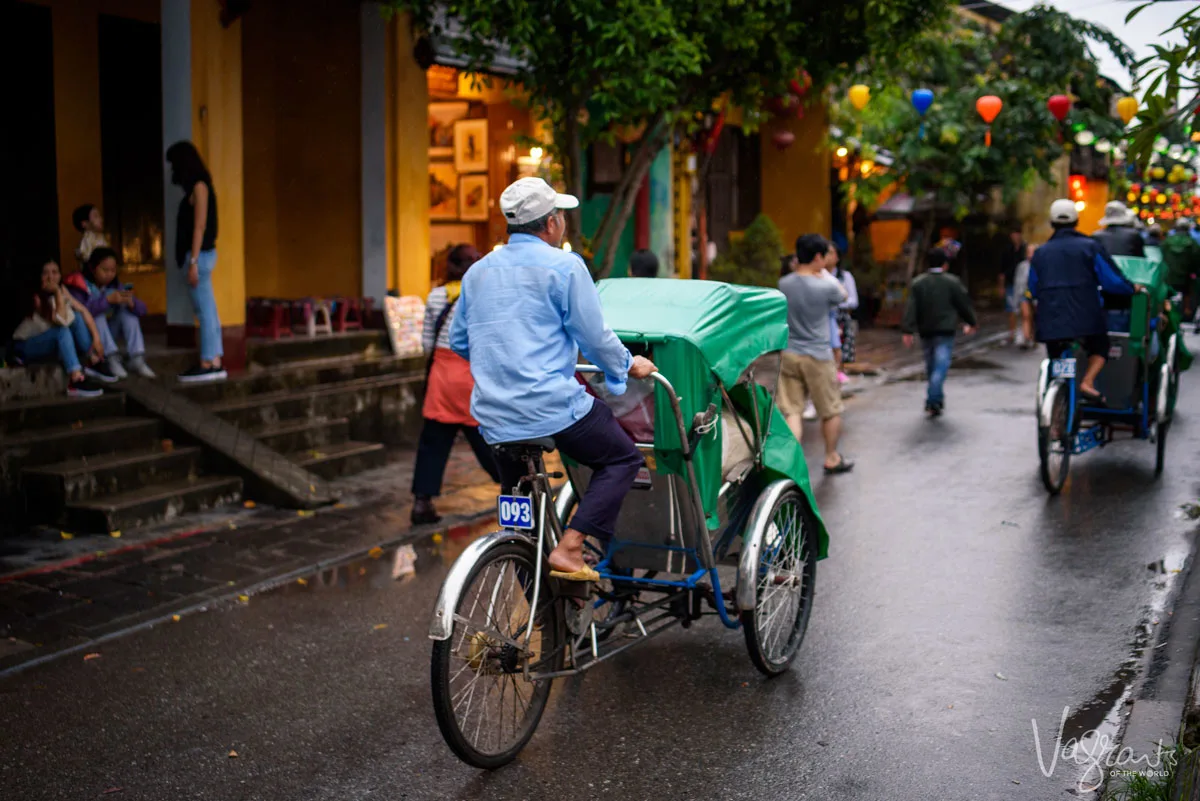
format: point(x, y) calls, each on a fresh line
point(408, 178)
point(217, 134)
point(683, 175)
point(76, 116)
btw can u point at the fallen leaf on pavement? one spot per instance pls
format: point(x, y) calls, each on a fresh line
point(304, 513)
point(66, 535)
point(375, 552)
point(168, 445)
point(232, 754)
point(112, 790)
point(302, 582)
point(436, 538)
point(1002, 677)
point(244, 599)
point(379, 626)
point(339, 505)
point(362, 571)
point(78, 424)
point(139, 670)
point(249, 505)
point(115, 535)
point(745, 684)
point(91, 656)
point(176, 618)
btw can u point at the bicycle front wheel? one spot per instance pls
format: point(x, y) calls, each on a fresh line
point(485, 706)
point(1054, 440)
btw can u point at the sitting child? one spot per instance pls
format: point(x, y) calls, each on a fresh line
point(115, 309)
point(58, 325)
point(88, 221)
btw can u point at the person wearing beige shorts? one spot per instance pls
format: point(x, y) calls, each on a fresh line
point(807, 370)
point(803, 378)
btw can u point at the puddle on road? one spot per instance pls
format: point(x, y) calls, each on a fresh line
point(382, 566)
point(1101, 718)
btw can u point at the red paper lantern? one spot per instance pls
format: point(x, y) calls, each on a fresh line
point(783, 139)
point(710, 143)
point(1060, 106)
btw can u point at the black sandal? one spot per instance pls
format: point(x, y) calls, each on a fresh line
point(844, 466)
point(1096, 399)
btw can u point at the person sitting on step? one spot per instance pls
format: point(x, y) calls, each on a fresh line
point(113, 306)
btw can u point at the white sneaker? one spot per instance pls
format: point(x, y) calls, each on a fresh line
point(810, 411)
point(116, 368)
point(138, 365)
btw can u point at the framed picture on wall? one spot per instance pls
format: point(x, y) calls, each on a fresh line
point(442, 117)
point(443, 191)
point(471, 146)
point(473, 198)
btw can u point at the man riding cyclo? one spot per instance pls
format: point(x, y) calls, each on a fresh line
point(1064, 277)
point(525, 313)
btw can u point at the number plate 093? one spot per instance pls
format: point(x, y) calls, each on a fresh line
point(515, 511)
point(1062, 368)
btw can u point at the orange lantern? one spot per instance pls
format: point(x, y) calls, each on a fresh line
point(1077, 188)
point(1127, 108)
point(988, 107)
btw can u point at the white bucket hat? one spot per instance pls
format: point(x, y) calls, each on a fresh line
point(1115, 213)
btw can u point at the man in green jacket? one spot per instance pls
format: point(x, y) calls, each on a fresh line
point(1182, 256)
point(937, 302)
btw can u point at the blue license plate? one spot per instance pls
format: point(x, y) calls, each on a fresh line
point(1062, 368)
point(515, 511)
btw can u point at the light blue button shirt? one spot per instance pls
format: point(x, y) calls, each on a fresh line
point(525, 313)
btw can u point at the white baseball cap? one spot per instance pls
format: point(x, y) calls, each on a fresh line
point(1063, 211)
point(530, 199)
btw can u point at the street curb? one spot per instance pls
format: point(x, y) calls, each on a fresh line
point(231, 594)
point(1166, 694)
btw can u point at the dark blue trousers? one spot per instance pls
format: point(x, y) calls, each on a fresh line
point(597, 441)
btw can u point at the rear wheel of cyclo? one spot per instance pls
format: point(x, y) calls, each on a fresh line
point(1054, 441)
point(485, 707)
point(785, 582)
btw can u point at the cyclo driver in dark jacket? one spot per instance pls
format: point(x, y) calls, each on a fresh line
point(1064, 277)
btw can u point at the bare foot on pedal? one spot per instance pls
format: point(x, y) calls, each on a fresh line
point(566, 561)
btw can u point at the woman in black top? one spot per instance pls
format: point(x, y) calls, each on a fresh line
point(196, 249)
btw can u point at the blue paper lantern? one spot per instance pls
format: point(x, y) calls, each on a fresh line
point(922, 99)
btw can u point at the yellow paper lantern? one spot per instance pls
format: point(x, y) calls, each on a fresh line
point(1158, 173)
point(860, 95)
point(1145, 198)
point(1127, 108)
point(1131, 197)
point(1160, 198)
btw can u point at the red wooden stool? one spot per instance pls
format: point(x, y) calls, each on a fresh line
point(268, 317)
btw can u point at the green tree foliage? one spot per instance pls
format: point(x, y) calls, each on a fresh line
point(1171, 78)
point(754, 258)
point(592, 65)
point(1034, 55)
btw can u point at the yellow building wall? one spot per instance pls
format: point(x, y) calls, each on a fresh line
point(1095, 197)
point(301, 84)
point(408, 166)
point(795, 182)
point(217, 134)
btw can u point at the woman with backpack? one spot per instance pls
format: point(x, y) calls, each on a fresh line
point(448, 387)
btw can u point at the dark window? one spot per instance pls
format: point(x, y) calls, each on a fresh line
point(605, 164)
point(734, 185)
point(131, 146)
point(28, 173)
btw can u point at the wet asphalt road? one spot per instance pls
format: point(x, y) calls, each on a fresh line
point(948, 566)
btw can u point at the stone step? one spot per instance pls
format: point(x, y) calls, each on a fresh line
point(382, 409)
point(342, 459)
point(266, 352)
point(152, 504)
point(73, 441)
point(303, 434)
point(50, 487)
point(297, 375)
point(57, 410)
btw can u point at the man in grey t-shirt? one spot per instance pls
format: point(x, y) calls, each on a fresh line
point(808, 370)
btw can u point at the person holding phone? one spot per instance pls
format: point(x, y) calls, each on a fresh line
point(116, 310)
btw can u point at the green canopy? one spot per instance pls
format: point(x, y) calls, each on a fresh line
point(729, 325)
point(704, 335)
point(1152, 274)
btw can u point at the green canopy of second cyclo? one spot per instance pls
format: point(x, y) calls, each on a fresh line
point(704, 336)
